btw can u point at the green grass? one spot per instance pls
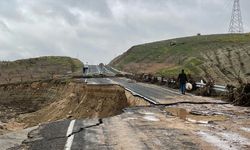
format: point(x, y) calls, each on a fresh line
point(39, 68)
point(189, 46)
point(170, 72)
point(186, 53)
point(75, 64)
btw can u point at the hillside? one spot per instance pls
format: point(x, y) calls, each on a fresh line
point(221, 57)
point(38, 68)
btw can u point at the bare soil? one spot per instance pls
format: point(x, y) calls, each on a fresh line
point(213, 126)
point(29, 104)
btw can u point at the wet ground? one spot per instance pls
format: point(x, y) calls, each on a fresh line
point(185, 126)
point(172, 121)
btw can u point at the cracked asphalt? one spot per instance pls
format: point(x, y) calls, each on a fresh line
point(53, 135)
point(152, 127)
point(136, 128)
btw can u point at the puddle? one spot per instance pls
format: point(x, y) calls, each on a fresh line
point(245, 129)
point(215, 141)
point(235, 138)
point(148, 113)
point(151, 118)
point(144, 112)
point(225, 141)
point(205, 119)
point(130, 112)
point(130, 118)
point(198, 121)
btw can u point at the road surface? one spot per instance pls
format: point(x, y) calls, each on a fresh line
point(97, 70)
point(155, 94)
point(136, 128)
point(146, 128)
point(94, 69)
point(151, 127)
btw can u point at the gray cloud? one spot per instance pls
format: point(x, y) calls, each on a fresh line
point(98, 30)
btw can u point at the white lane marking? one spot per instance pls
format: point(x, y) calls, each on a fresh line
point(92, 83)
point(70, 128)
point(69, 143)
point(245, 129)
point(71, 138)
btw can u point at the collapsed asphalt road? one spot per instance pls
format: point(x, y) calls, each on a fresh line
point(62, 135)
point(149, 128)
point(181, 126)
point(137, 128)
point(152, 93)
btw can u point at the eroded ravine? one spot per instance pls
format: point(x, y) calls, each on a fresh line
point(199, 123)
point(29, 104)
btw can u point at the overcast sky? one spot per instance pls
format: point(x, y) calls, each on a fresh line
point(98, 30)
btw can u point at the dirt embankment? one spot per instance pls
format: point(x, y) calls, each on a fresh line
point(81, 101)
point(16, 99)
point(38, 102)
point(41, 68)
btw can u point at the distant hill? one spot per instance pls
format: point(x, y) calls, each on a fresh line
point(38, 68)
point(222, 57)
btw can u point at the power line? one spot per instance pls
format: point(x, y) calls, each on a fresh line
point(236, 23)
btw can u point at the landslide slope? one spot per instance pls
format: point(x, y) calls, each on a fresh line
point(38, 68)
point(222, 57)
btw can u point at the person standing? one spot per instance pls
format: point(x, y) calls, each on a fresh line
point(182, 79)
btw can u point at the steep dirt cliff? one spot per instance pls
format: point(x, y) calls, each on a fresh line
point(31, 103)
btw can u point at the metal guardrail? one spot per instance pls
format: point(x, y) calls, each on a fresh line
point(220, 88)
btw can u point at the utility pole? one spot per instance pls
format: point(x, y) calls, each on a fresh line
point(236, 23)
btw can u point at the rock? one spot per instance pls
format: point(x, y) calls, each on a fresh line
point(35, 85)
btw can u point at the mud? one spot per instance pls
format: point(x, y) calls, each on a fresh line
point(16, 99)
point(239, 95)
point(213, 126)
point(135, 101)
point(29, 104)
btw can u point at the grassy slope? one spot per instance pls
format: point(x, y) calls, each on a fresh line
point(38, 68)
point(223, 57)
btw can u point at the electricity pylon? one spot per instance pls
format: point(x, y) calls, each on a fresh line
point(236, 23)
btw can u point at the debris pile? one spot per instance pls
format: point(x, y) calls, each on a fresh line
point(239, 96)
